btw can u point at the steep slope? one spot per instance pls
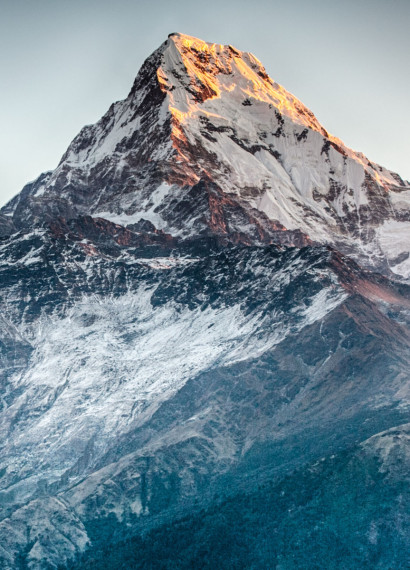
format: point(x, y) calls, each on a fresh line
point(184, 323)
point(207, 143)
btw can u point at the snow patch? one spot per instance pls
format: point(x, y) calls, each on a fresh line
point(394, 240)
point(322, 303)
point(146, 211)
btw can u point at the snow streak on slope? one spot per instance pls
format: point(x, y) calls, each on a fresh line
point(108, 365)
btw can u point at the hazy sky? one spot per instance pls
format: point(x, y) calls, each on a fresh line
point(63, 62)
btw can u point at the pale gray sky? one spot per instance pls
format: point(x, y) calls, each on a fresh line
point(64, 62)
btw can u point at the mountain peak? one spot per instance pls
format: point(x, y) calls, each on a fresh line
point(216, 71)
point(199, 75)
point(205, 142)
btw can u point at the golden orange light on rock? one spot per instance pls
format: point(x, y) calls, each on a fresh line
point(200, 80)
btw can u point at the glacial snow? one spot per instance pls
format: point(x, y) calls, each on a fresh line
point(107, 365)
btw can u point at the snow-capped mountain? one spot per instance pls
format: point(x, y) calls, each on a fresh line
point(190, 310)
point(207, 142)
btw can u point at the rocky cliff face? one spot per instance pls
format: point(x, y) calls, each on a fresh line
point(190, 309)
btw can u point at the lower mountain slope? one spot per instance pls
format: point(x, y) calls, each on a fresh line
point(349, 510)
point(146, 378)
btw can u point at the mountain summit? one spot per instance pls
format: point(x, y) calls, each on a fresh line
point(206, 143)
point(204, 337)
